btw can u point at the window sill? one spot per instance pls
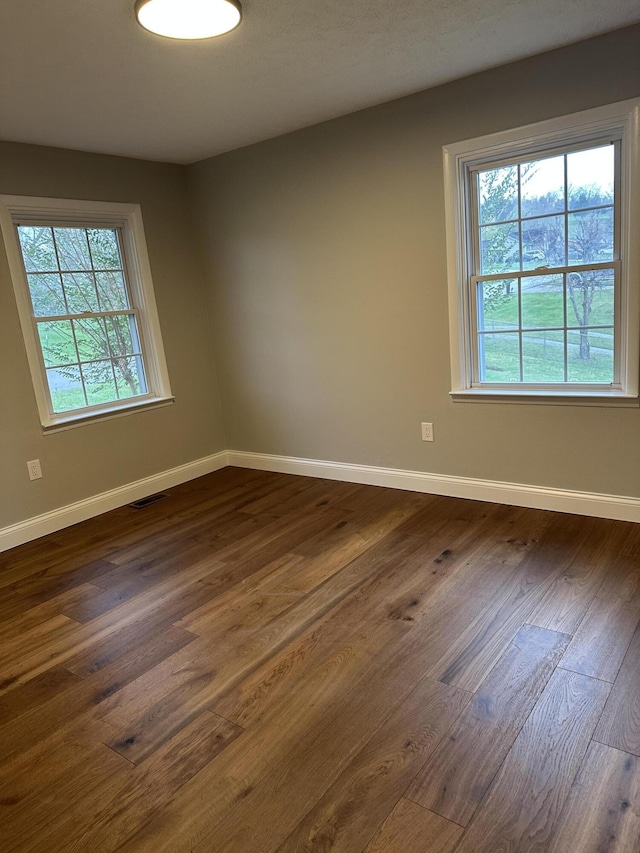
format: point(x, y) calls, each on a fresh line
point(613, 399)
point(70, 420)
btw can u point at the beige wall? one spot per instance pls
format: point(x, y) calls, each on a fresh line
point(90, 459)
point(326, 287)
point(325, 256)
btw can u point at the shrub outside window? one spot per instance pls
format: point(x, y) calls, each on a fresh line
point(543, 272)
point(87, 308)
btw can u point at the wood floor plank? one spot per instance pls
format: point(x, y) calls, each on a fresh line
point(526, 798)
point(408, 571)
point(619, 725)
point(25, 612)
point(321, 753)
point(37, 770)
point(56, 579)
point(467, 661)
point(321, 493)
point(350, 678)
point(25, 825)
point(337, 624)
point(34, 645)
point(98, 654)
point(155, 566)
point(288, 495)
point(208, 669)
point(74, 637)
point(308, 567)
point(280, 537)
point(355, 805)
point(111, 813)
point(374, 605)
point(603, 809)
point(457, 775)
point(34, 693)
point(88, 695)
point(596, 650)
point(411, 828)
point(566, 601)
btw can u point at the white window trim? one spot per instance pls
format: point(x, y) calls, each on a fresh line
point(129, 218)
point(460, 158)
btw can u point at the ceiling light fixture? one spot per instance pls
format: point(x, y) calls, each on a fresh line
point(188, 19)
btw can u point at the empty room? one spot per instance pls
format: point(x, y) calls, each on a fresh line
point(320, 426)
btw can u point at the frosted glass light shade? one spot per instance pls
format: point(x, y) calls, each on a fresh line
point(188, 19)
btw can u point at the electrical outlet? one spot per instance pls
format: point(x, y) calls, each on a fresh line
point(35, 471)
point(427, 432)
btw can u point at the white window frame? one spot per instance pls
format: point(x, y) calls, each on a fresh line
point(620, 120)
point(127, 218)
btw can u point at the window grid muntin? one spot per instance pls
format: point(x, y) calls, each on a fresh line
point(472, 172)
point(478, 334)
point(130, 312)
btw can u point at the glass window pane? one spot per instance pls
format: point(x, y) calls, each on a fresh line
point(99, 383)
point(543, 356)
point(498, 194)
point(56, 340)
point(542, 186)
point(590, 176)
point(499, 357)
point(81, 292)
point(590, 355)
point(73, 248)
point(122, 335)
point(112, 291)
point(66, 390)
point(91, 338)
point(499, 248)
point(47, 297)
point(130, 376)
point(543, 242)
point(38, 249)
point(590, 298)
point(105, 251)
point(591, 236)
point(498, 304)
point(543, 301)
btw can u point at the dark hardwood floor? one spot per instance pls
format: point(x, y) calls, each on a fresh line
point(262, 663)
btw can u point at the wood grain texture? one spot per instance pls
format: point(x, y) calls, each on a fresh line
point(105, 818)
point(524, 802)
point(356, 678)
point(619, 725)
point(411, 828)
point(317, 760)
point(468, 660)
point(603, 809)
point(362, 796)
point(34, 693)
point(456, 777)
point(263, 662)
point(597, 650)
point(91, 696)
point(565, 603)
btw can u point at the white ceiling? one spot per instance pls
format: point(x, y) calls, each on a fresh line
point(82, 74)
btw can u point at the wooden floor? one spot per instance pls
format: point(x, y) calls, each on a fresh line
point(261, 662)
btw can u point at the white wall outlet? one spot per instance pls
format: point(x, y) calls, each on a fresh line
point(427, 432)
point(35, 471)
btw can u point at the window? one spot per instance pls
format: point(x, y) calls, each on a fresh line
point(87, 308)
point(544, 277)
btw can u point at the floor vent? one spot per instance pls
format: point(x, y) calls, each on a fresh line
point(143, 502)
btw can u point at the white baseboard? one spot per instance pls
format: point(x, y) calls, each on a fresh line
point(538, 497)
point(560, 500)
point(49, 522)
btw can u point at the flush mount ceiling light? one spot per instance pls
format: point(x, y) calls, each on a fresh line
point(188, 19)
